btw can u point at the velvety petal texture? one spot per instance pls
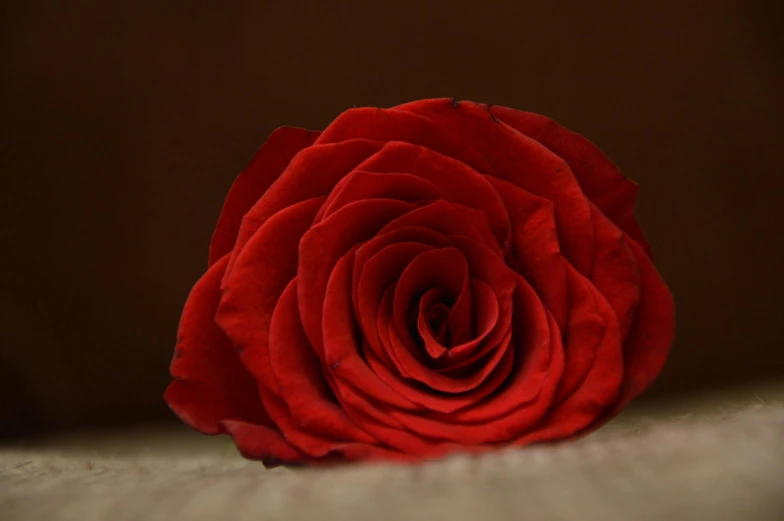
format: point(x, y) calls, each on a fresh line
point(435, 277)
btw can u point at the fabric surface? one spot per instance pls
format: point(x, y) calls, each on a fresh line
point(726, 467)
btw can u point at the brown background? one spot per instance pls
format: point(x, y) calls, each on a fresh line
point(124, 125)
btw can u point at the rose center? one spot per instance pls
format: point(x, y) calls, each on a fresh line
point(437, 319)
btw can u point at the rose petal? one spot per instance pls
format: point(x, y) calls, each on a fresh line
point(322, 246)
point(385, 428)
point(524, 162)
point(585, 334)
point(247, 305)
point(410, 234)
point(432, 310)
point(446, 403)
point(484, 264)
point(210, 382)
point(378, 274)
point(464, 319)
point(599, 178)
point(387, 125)
point(360, 185)
point(535, 251)
point(312, 173)
point(388, 353)
point(460, 183)
point(486, 315)
point(528, 394)
point(615, 271)
point(444, 269)
point(298, 373)
point(266, 266)
point(496, 322)
point(266, 166)
point(652, 331)
point(448, 219)
point(341, 340)
point(515, 408)
point(212, 391)
point(597, 392)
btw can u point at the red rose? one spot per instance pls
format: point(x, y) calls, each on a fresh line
point(412, 281)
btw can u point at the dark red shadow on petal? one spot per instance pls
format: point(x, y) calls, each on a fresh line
point(539, 366)
point(488, 317)
point(365, 252)
point(378, 275)
point(652, 331)
point(615, 271)
point(432, 322)
point(444, 269)
point(588, 337)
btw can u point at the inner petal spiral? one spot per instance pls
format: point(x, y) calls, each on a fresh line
point(432, 323)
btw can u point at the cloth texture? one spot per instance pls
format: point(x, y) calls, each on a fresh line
point(725, 467)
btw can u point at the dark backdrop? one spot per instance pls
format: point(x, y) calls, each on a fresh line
point(124, 125)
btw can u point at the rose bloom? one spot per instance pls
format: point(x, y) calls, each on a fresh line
point(440, 276)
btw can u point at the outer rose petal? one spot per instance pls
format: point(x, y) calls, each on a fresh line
point(387, 125)
point(212, 391)
point(524, 162)
point(298, 183)
point(266, 166)
point(599, 178)
point(247, 305)
point(652, 332)
point(600, 384)
point(535, 251)
point(615, 271)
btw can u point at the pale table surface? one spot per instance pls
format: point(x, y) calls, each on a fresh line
point(714, 457)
